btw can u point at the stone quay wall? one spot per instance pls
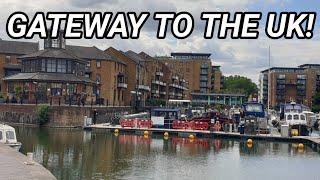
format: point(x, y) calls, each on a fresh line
point(61, 116)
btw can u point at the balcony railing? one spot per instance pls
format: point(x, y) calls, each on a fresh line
point(155, 92)
point(122, 85)
point(159, 82)
point(144, 87)
point(159, 73)
point(175, 77)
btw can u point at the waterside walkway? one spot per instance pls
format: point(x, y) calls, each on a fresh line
point(14, 165)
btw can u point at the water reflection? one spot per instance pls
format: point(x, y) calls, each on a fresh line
point(74, 154)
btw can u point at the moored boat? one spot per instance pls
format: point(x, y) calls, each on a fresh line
point(8, 136)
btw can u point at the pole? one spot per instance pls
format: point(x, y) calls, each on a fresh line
point(269, 83)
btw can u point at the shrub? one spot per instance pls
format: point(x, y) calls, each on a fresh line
point(43, 114)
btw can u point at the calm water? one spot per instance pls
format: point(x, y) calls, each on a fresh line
point(74, 154)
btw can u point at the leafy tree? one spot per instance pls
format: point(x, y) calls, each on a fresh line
point(316, 102)
point(43, 114)
point(239, 84)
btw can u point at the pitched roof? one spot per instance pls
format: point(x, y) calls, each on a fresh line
point(52, 77)
point(134, 56)
point(18, 47)
point(53, 53)
point(91, 53)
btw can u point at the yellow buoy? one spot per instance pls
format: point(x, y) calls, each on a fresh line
point(165, 137)
point(116, 131)
point(249, 141)
point(146, 136)
point(191, 136)
point(300, 146)
point(165, 134)
point(116, 134)
point(249, 145)
point(146, 133)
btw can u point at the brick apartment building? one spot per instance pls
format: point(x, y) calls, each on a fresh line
point(9, 51)
point(119, 78)
point(288, 84)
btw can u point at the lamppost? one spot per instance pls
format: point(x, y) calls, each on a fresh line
point(69, 94)
point(36, 92)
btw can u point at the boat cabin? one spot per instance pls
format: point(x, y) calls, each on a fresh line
point(163, 118)
point(7, 134)
point(295, 118)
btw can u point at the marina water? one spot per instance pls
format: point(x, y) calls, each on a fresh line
point(76, 154)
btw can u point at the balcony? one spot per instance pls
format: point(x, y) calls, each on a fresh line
point(172, 93)
point(144, 87)
point(175, 77)
point(163, 92)
point(123, 85)
point(159, 82)
point(203, 72)
point(159, 73)
point(204, 78)
point(155, 92)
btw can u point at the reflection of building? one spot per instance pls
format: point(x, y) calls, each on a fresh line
point(288, 84)
point(52, 73)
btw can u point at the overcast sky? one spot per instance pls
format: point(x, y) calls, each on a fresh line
point(243, 57)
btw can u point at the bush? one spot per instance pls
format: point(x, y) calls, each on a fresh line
point(43, 114)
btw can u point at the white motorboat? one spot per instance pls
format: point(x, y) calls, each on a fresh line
point(8, 136)
point(298, 121)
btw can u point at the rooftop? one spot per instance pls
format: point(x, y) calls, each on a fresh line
point(53, 53)
point(18, 47)
point(284, 69)
point(179, 55)
point(52, 77)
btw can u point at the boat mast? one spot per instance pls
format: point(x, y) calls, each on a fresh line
point(269, 83)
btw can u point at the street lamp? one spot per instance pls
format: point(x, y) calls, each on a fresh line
point(36, 92)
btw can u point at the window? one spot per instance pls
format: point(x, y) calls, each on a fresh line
point(89, 64)
point(43, 65)
point(296, 117)
point(10, 135)
point(98, 64)
point(61, 66)
point(254, 108)
point(98, 79)
point(302, 117)
point(289, 117)
point(51, 65)
point(55, 43)
point(56, 89)
point(69, 70)
point(8, 59)
point(0, 135)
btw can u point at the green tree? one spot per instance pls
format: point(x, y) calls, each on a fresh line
point(316, 102)
point(239, 84)
point(43, 114)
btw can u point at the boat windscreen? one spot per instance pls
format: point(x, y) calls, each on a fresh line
point(10, 135)
point(254, 108)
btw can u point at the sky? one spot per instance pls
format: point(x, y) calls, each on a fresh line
point(236, 57)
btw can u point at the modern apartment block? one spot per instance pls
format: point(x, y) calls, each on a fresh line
point(194, 67)
point(216, 79)
point(286, 84)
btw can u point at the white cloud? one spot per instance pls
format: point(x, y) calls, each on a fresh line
point(245, 57)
